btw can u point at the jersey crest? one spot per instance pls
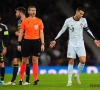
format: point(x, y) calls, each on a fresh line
point(81, 25)
point(36, 26)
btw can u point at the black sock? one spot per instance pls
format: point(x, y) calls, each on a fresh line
point(15, 70)
point(2, 73)
point(27, 72)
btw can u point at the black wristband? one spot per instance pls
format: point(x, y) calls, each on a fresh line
point(19, 43)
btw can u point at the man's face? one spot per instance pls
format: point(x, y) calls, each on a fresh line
point(17, 14)
point(32, 11)
point(79, 13)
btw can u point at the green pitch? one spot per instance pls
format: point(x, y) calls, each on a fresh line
point(57, 82)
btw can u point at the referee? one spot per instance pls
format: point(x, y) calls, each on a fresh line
point(33, 42)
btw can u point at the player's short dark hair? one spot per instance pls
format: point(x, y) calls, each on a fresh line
point(0, 15)
point(31, 7)
point(80, 8)
point(21, 9)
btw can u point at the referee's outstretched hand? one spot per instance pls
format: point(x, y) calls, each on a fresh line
point(19, 48)
point(52, 44)
point(42, 48)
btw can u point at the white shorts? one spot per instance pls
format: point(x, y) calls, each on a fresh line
point(72, 51)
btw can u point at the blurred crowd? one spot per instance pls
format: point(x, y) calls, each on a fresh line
point(53, 19)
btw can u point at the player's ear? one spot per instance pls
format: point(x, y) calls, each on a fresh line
point(76, 11)
point(28, 12)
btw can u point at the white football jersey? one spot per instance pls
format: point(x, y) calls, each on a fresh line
point(75, 30)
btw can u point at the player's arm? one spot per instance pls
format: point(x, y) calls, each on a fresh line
point(21, 32)
point(61, 31)
point(92, 37)
point(42, 40)
point(90, 34)
point(20, 36)
point(5, 40)
point(52, 43)
point(17, 32)
point(86, 28)
point(20, 39)
point(42, 36)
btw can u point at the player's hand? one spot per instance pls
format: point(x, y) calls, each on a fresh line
point(19, 48)
point(4, 51)
point(42, 47)
point(52, 44)
point(16, 33)
point(97, 42)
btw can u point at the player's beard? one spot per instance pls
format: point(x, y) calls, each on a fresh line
point(18, 16)
point(32, 14)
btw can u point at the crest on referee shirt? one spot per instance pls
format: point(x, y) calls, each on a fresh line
point(0, 29)
point(36, 26)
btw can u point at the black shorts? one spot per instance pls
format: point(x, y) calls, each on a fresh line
point(31, 47)
point(17, 54)
point(1, 58)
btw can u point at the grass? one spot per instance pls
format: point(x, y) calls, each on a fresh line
point(57, 82)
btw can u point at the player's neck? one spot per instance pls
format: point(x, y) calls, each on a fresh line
point(76, 18)
point(32, 16)
point(23, 17)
